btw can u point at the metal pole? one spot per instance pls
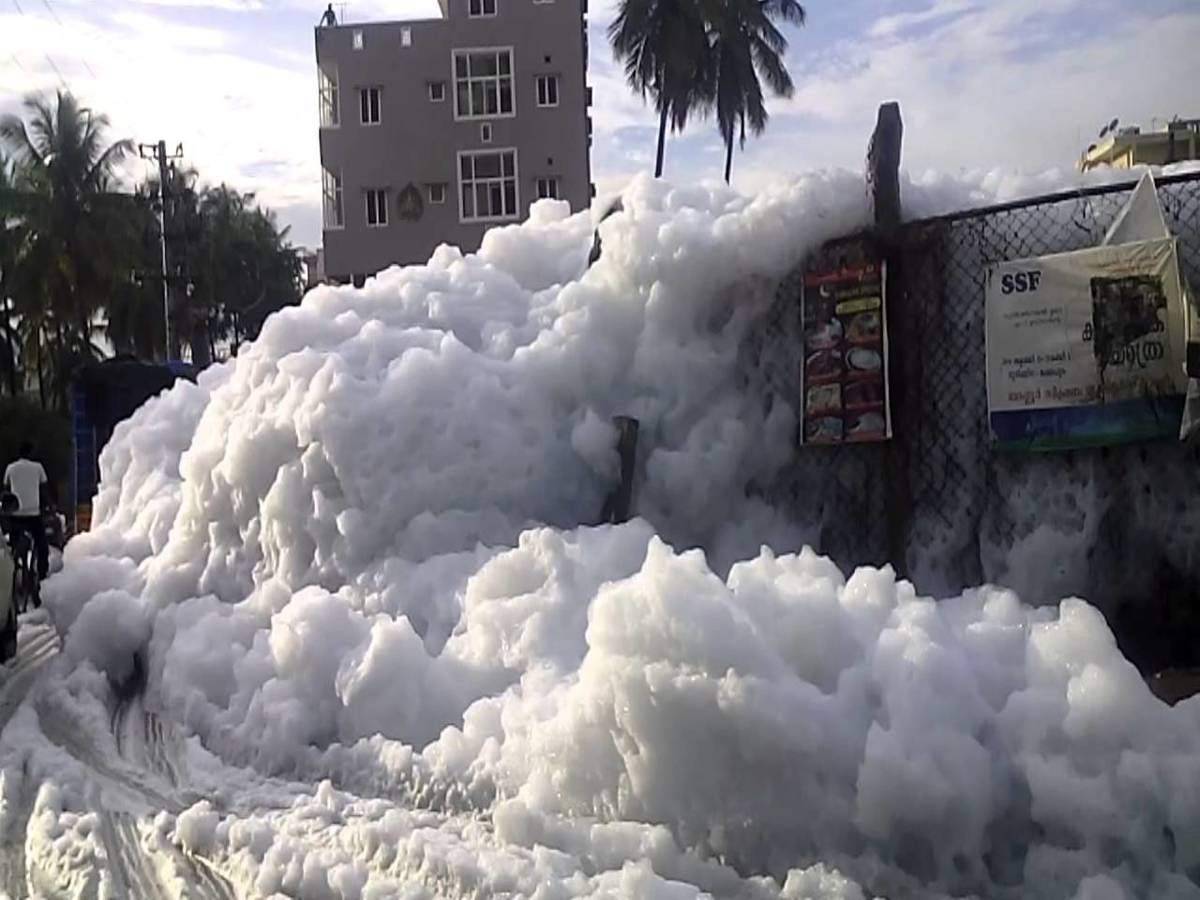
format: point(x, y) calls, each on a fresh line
point(619, 502)
point(161, 154)
point(158, 152)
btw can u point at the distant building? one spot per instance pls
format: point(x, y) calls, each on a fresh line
point(1125, 148)
point(314, 267)
point(433, 131)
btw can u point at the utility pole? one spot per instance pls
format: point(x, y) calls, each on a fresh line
point(158, 153)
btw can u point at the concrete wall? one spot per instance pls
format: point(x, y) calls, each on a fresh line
point(417, 141)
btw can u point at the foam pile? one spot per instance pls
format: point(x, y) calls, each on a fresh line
point(363, 550)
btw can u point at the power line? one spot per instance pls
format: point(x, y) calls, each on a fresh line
point(62, 80)
point(82, 59)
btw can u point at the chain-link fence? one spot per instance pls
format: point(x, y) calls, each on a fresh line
point(1119, 526)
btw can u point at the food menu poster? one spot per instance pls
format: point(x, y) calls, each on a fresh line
point(845, 366)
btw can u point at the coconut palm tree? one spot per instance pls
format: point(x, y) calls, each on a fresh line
point(76, 226)
point(744, 44)
point(663, 46)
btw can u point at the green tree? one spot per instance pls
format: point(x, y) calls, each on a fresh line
point(242, 268)
point(133, 315)
point(184, 229)
point(80, 259)
point(77, 232)
point(230, 266)
point(12, 235)
point(744, 44)
point(663, 46)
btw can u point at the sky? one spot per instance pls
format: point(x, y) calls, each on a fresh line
point(1017, 85)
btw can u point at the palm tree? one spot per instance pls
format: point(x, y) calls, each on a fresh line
point(77, 228)
point(744, 43)
point(663, 45)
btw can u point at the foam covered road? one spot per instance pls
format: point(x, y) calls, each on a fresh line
point(145, 769)
point(37, 644)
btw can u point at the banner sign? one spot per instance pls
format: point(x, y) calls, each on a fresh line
point(845, 356)
point(1086, 348)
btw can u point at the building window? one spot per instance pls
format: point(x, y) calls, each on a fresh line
point(357, 39)
point(478, 8)
point(485, 133)
point(369, 106)
point(483, 83)
point(377, 211)
point(547, 188)
point(331, 207)
point(487, 181)
point(437, 91)
point(405, 36)
point(547, 90)
point(331, 113)
point(437, 194)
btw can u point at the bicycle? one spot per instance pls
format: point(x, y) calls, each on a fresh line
point(9, 583)
point(26, 586)
point(18, 553)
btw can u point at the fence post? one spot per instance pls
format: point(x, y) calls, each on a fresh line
point(883, 161)
point(618, 503)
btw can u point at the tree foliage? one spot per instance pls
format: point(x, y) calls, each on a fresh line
point(706, 56)
point(80, 259)
point(663, 45)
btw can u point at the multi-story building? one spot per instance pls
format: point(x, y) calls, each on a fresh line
point(433, 131)
point(1125, 148)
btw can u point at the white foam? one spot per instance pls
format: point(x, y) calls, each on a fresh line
point(361, 550)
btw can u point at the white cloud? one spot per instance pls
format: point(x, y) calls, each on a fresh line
point(149, 28)
point(894, 24)
point(185, 84)
point(232, 5)
point(975, 93)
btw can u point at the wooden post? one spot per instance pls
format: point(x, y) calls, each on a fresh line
point(618, 504)
point(883, 161)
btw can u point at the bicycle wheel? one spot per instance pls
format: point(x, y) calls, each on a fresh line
point(24, 585)
point(32, 588)
point(8, 639)
point(35, 589)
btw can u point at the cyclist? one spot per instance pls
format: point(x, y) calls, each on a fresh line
point(27, 481)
